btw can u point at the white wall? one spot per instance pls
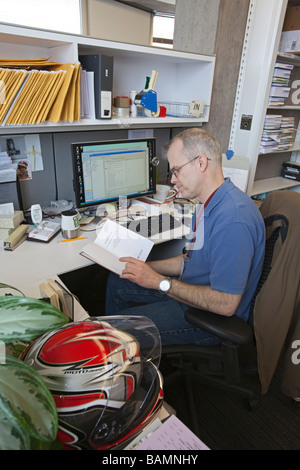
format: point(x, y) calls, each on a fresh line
point(107, 19)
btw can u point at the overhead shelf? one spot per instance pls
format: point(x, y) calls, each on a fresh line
point(182, 77)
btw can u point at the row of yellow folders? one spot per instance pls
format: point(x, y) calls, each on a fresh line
point(33, 91)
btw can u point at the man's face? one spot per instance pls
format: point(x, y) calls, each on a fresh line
point(188, 178)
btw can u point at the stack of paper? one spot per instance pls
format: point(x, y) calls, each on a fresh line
point(287, 133)
point(38, 95)
point(29, 63)
point(278, 134)
point(12, 80)
point(9, 223)
point(280, 88)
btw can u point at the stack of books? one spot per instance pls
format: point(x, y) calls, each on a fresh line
point(278, 134)
point(38, 90)
point(280, 88)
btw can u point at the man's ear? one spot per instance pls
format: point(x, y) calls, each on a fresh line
point(203, 162)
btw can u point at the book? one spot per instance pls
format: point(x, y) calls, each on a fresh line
point(44, 231)
point(113, 242)
point(62, 302)
point(47, 292)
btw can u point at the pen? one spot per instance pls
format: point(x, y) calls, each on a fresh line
point(73, 239)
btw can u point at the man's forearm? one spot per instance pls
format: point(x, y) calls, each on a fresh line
point(204, 297)
point(168, 267)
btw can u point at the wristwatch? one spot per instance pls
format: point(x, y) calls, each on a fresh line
point(165, 285)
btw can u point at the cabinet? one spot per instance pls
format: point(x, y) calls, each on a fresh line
point(182, 77)
point(260, 54)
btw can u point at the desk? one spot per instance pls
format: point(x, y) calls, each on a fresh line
point(33, 262)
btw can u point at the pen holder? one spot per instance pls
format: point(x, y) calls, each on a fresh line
point(70, 224)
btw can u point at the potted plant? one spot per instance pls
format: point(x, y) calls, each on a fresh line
point(28, 415)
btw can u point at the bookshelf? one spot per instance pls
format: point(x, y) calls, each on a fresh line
point(182, 76)
point(261, 46)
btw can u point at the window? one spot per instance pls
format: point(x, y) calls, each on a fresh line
point(163, 31)
point(57, 15)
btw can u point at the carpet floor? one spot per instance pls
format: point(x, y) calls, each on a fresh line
point(226, 424)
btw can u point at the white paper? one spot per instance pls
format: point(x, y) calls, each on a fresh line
point(91, 95)
point(238, 176)
point(7, 209)
point(113, 242)
point(172, 435)
point(8, 175)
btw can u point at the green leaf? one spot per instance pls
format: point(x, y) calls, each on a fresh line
point(24, 318)
point(27, 407)
point(7, 286)
point(12, 436)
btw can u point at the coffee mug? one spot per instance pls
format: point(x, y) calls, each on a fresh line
point(163, 192)
point(70, 224)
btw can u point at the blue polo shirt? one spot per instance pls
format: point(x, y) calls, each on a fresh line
point(228, 250)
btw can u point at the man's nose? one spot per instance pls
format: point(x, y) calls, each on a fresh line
point(173, 179)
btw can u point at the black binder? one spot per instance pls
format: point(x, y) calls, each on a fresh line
point(102, 66)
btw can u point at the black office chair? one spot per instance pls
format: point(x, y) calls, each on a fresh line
point(220, 365)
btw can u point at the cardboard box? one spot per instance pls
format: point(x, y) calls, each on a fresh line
point(292, 19)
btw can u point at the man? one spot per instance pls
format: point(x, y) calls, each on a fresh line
point(219, 274)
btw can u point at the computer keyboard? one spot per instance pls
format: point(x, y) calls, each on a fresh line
point(153, 225)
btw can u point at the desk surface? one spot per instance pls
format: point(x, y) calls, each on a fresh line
point(33, 262)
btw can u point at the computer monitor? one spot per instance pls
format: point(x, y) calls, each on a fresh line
point(109, 170)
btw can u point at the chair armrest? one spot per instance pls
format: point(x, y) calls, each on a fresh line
point(231, 329)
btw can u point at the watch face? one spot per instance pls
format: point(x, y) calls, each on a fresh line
point(164, 285)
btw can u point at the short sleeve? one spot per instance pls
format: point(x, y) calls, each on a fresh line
point(231, 253)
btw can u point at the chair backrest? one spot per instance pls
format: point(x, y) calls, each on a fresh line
point(276, 319)
point(269, 250)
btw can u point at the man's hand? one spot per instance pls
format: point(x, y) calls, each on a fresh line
point(140, 273)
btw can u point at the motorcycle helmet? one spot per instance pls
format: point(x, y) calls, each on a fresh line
point(103, 375)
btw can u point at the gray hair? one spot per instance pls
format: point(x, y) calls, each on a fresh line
point(196, 142)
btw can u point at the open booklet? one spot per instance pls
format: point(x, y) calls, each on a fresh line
point(113, 242)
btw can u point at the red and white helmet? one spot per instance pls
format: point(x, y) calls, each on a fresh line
point(106, 388)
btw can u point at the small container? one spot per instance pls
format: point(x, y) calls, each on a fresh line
point(133, 107)
point(121, 107)
point(70, 224)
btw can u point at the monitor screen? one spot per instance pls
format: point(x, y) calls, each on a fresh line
point(108, 170)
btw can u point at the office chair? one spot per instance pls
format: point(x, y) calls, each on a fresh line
point(220, 365)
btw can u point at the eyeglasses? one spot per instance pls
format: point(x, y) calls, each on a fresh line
point(175, 171)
